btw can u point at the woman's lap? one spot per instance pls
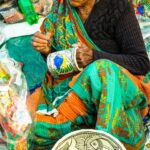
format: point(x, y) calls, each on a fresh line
point(116, 98)
point(102, 89)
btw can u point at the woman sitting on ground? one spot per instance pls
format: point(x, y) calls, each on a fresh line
point(110, 93)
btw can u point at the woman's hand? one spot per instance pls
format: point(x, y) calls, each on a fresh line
point(84, 55)
point(41, 42)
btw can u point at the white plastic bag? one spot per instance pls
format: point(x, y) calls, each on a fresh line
point(15, 120)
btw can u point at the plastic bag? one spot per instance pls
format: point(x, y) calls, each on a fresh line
point(147, 139)
point(15, 120)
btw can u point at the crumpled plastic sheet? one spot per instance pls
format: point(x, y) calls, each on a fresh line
point(147, 132)
point(15, 119)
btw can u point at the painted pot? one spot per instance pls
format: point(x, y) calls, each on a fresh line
point(63, 62)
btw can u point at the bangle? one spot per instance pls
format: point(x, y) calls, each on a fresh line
point(75, 60)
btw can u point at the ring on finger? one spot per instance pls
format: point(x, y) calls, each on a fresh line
point(49, 42)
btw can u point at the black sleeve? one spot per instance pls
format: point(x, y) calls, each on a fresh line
point(128, 35)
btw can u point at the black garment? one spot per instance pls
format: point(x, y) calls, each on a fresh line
point(113, 26)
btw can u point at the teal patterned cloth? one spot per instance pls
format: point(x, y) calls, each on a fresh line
point(34, 66)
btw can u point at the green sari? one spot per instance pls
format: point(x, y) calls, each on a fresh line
point(105, 96)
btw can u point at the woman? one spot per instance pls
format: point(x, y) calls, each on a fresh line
point(108, 95)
